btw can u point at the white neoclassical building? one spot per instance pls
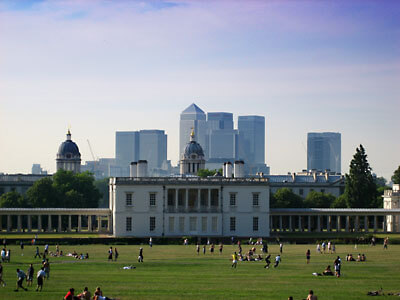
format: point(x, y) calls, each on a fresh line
point(391, 200)
point(68, 155)
point(189, 206)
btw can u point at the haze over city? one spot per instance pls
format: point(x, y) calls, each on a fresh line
point(103, 66)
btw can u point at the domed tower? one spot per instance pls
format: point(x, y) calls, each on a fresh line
point(192, 158)
point(68, 156)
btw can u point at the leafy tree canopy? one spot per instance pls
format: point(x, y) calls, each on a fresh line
point(396, 176)
point(12, 200)
point(319, 200)
point(285, 198)
point(340, 202)
point(102, 186)
point(360, 185)
point(204, 173)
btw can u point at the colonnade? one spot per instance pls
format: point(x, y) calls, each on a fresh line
point(334, 220)
point(197, 202)
point(55, 220)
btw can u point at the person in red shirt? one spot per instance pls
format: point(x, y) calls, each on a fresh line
point(70, 295)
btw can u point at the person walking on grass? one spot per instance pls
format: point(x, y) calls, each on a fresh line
point(140, 258)
point(40, 278)
point(21, 276)
point(221, 247)
point(385, 243)
point(234, 260)
point(198, 248)
point(46, 266)
point(22, 248)
point(37, 253)
point(1, 275)
point(308, 255)
point(267, 261)
point(277, 261)
point(110, 254)
point(280, 247)
point(116, 254)
point(204, 249)
point(29, 278)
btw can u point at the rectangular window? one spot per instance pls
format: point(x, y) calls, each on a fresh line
point(171, 225)
point(255, 199)
point(152, 199)
point(214, 224)
point(152, 223)
point(233, 224)
point(181, 224)
point(193, 224)
point(128, 223)
point(204, 224)
point(301, 192)
point(232, 201)
point(255, 223)
point(128, 199)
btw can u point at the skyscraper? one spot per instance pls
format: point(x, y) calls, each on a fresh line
point(192, 118)
point(251, 145)
point(126, 147)
point(324, 151)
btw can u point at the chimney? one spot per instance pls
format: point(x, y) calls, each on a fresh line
point(228, 171)
point(239, 169)
point(294, 176)
point(224, 170)
point(133, 169)
point(142, 168)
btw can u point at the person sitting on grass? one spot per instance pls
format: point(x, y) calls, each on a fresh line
point(328, 271)
point(98, 295)
point(85, 295)
point(363, 258)
point(71, 295)
point(359, 257)
point(311, 296)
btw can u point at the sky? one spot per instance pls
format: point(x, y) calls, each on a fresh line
point(105, 66)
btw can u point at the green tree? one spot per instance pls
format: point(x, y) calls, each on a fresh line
point(285, 198)
point(12, 199)
point(396, 176)
point(43, 194)
point(319, 200)
point(102, 186)
point(360, 185)
point(340, 202)
point(204, 173)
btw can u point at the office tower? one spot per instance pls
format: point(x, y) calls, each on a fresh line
point(221, 137)
point(251, 146)
point(126, 148)
point(153, 147)
point(219, 121)
point(192, 118)
point(324, 151)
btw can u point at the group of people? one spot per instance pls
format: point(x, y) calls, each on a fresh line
point(360, 257)
point(326, 248)
point(310, 296)
point(5, 255)
point(211, 249)
point(44, 272)
point(112, 254)
point(86, 295)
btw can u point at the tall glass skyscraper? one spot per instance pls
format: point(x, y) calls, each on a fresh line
point(251, 146)
point(324, 151)
point(192, 118)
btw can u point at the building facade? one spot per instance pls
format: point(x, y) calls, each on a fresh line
point(175, 207)
point(391, 200)
point(324, 151)
point(68, 156)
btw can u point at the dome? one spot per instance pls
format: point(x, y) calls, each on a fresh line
point(68, 149)
point(193, 148)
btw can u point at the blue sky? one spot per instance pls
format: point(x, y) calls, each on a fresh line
point(103, 66)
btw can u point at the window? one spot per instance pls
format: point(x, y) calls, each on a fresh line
point(152, 223)
point(128, 223)
point(301, 192)
point(128, 198)
point(152, 199)
point(255, 223)
point(193, 224)
point(214, 224)
point(233, 224)
point(171, 224)
point(181, 224)
point(204, 224)
point(232, 201)
point(255, 199)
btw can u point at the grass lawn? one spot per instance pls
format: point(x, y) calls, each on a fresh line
point(176, 272)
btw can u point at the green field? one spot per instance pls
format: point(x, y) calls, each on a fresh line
point(176, 272)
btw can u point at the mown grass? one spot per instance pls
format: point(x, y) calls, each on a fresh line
point(177, 272)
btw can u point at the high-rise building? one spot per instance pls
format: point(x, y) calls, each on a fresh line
point(150, 145)
point(192, 118)
point(324, 151)
point(251, 145)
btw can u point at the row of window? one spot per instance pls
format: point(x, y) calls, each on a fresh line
point(192, 224)
point(232, 224)
point(152, 199)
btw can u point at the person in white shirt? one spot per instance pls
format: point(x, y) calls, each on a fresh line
point(40, 276)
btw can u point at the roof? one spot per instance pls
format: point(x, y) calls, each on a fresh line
point(304, 178)
point(193, 109)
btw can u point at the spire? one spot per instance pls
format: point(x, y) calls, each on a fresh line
point(192, 135)
point(69, 134)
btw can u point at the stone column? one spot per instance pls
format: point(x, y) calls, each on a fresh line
point(79, 223)
point(19, 223)
point(300, 225)
point(366, 223)
point(39, 223)
point(69, 223)
point(280, 223)
point(98, 223)
point(290, 223)
point(89, 222)
point(375, 223)
point(59, 223)
point(271, 223)
point(357, 225)
point(318, 223)
point(328, 223)
point(109, 223)
point(309, 223)
point(198, 200)
point(338, 224)
point(347, 223)
point(29, 223)
point(209, 199)
point(9, 223)
point(186, 199)
point(49, 225)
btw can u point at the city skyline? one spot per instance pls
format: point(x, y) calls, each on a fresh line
point(103, 67)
